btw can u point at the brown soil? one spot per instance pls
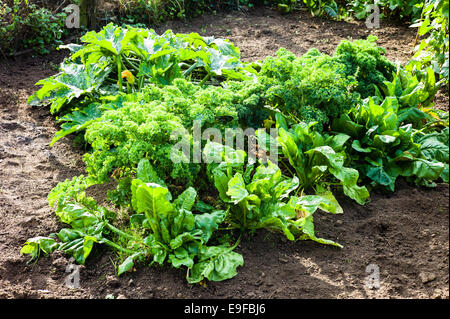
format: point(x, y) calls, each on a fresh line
point(405, 234)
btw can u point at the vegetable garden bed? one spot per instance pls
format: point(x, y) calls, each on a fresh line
point(402, 234)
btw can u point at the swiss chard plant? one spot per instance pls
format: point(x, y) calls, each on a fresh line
point(433, 49)
point(179, 236)
point(382, 148)
point(434, 146)
point(161, 229)
point(412, 88)
point(258, 196)
point(88, 223)
point(318, 159)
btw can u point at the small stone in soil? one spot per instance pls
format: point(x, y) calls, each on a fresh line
point(427, 277)
point(112, 281)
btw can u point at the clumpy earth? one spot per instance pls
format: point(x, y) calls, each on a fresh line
point(404, 236)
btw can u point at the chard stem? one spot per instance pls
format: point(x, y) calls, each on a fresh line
point(237, 242)
point(205, 79)
point(119, 232)
point(117, 247)
point(188, 71)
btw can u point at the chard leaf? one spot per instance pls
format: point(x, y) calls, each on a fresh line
point(284, 188)
point(423, 169)
point(270, 172)
point(208, 222)
point(248, 173)
point(338, 141)
point(345, 125)
point(289, 147)
point(445, 173)
point(186, 199)
point(434, 146)
point(236, 189)
point(151, 199)
point(147, 174)
point(308, 233)
point(380, 140)
point(128, 263)
point(180, 257)
point(348, 176)
point(216, 263)
point(33, 246)
point(276, 224)
point(379, 176)
point(411, 115)
point(159, 255)
point(181, 239)
point(310, 203)
point(356, 145)
point(78, 216)
point(221, 183)
point(261, 188)
point(76, 243)
point(182, 222)
point(203, 207)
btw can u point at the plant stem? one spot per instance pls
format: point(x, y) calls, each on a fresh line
point(243, 226)
point(192, 67)
point(336, 184)
point(234, 225)
point(287, 167)
point(119, 71)
point(133, 59)
point(119, 232)
point(141, 82)
point(131, 63)
point(117, 247)
point(205, 79)
point(298, 191)
point(237, 242)
point(418, 29)
point(227, 228)
point(294, 118)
